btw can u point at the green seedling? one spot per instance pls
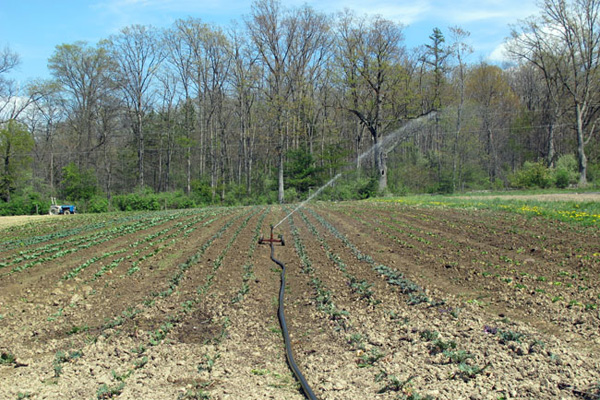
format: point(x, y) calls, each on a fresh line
point(139, 350)
point(429, 335)
point(121, 378)
point(536, 345)
point(77, 329)
point(137, 364)
point(60, 358)
point(195, 394)
point(439, 346)
point(510, 336)
point(260, 372)
point(208, 362)
point(357, 341)
point(394, 384)
point(367, 359)
point(7, 359)
point(109, 392)
point(467, 372)
point(459, 356)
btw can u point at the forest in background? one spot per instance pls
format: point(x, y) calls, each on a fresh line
point(270, 108)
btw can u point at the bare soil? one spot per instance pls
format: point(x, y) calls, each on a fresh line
point(383, 301)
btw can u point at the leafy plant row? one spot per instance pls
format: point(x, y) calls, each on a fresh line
point(31, 240)
point(392, 276)
point(176, 278)
point(323, 296)
point(368, 355)
point(219, 260)
point(28, 238)
point(359, 286)
point(58, 250)
point(248, 267)
point(178, 229)
point(157, 336)
point(509, 269)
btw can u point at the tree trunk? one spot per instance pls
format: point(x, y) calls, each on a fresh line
point(280, 192)
point(359, 132)
point(380, 154)
point(493, 167)
point(188, 171)
point(380, 165)
point(581, 157)
point(455, 144)
point(6, 176)
point(551, 151)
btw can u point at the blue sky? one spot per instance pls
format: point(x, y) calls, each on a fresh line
point(33, 28)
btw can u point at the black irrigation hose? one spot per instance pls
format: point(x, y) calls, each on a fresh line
point(286, 336)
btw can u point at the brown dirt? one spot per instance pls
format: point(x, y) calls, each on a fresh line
point(516, 296)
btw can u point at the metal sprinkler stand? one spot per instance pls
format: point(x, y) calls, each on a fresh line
point(271, 240)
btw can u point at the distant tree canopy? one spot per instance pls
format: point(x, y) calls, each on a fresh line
point(15, 146)
point(290, 97)
point(301, 171)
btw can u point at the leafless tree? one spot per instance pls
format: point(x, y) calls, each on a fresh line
point(564, 43)
point(460, 50)
point(369, 54)
point(84, 74)
point(291, 44)
point(138, 52)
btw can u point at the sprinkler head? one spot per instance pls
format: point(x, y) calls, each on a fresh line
point(271, 239)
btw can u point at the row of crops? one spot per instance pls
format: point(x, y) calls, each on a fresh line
point(403, 301)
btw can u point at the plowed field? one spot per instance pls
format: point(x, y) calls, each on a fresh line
point(383, 301)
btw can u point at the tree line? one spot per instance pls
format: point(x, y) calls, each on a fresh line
point(270, 108)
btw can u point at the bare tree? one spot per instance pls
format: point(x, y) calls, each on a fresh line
point(564, 42)
point(288, 44)
point(182, 53)
point(460, 50)
point(47, 112)
point(369, 56)
point(213, 77)
point(138, 53)
point(12, 100)
point(245, 81)
point(84, 73)
point(487, 85)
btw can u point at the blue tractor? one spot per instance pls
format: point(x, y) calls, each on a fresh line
point(56, 209)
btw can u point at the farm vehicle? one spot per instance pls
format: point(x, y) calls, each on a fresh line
point(58, 209)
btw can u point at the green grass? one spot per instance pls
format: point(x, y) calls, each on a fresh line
point(585, 213)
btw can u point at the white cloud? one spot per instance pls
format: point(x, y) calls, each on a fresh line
point(403, 11)
point(469, 11)
point(499, 54)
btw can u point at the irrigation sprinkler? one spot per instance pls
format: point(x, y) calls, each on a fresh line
point(391, 138)
point(281, 314)
point(271, 240)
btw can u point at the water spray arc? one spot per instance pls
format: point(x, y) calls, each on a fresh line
point(385, 142)
point(315, 194)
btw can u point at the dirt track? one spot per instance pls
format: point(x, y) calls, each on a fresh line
point(184, 306)
point(6, 222)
